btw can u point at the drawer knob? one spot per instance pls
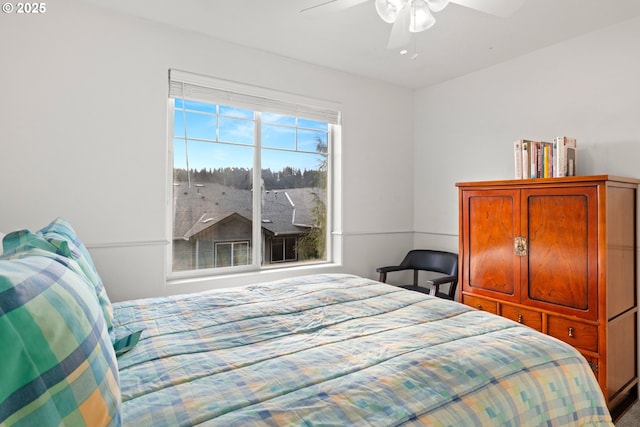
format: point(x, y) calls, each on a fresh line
point(479, 307)
point(519, 318)
point(571, 330)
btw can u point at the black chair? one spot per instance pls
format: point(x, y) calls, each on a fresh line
point(428, 260)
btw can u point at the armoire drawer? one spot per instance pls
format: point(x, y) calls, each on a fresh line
point(578, 334)
point(530, 318)
point(480, 303)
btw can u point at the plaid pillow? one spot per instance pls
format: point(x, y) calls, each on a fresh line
point(59, 233)
point(58, 364)
point(126, 343)
point(23, 240)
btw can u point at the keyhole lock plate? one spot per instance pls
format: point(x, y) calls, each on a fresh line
point(520, 246)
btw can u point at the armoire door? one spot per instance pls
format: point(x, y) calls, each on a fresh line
point(559, 272)
point(489, 265)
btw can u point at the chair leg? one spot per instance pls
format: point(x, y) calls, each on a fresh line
point(434, 289)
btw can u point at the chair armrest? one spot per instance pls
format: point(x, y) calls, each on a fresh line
point(384, 270)
point(435, 283)
point(391, 268)
point(441, 280)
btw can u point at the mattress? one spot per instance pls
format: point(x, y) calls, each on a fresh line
point(343, 350)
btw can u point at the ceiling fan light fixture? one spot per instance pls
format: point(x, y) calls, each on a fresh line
point(437, 5)
point(388, 10)
point(421, 17)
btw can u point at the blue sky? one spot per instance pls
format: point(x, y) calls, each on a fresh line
point(236, 126)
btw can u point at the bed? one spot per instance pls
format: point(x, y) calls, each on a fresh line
point(320, 350)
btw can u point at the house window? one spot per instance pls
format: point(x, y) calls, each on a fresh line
point(283, 249)
point(231, 253)
point(249, 165)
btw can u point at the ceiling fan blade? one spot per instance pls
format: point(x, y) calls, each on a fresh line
point(502, 8)
point(327, 6)
point(400, 35)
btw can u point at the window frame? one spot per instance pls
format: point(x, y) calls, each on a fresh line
point(334, 129)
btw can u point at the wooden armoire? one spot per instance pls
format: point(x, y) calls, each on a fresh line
point(559, 255)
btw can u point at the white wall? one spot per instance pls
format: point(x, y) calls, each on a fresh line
point(83, 122)
point(588, 88)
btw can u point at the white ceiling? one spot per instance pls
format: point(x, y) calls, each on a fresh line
point(354, 40)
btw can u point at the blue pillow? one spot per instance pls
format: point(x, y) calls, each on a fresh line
point(60, 367)
point(62, 236)
point(23, 240)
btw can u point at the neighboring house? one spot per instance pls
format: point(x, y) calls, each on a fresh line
point(213, 228)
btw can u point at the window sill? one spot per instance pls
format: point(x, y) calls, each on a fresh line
point(246, 277)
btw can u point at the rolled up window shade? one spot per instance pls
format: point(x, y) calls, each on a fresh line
point(196, 87)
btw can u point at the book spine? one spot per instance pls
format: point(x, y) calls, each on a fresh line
point(535, 159)
point(545, 161)
point(517, 156)
point(561, 153)
point(552, 154)
point(540, 160)
point(526, 160)
point(532, 159)
point(554, 162)
point(572, 156)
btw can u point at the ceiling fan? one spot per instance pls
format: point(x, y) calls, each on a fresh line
point(413, 16)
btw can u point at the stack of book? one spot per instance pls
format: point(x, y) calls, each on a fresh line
point(539, 159)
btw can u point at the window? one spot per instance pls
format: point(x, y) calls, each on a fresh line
point(283, 249)
point(251, 175)
point(232, 253)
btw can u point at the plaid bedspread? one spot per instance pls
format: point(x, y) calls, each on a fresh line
point(338, 350)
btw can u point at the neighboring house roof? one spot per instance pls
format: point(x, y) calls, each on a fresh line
point(304, 200)
point(284, 212)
